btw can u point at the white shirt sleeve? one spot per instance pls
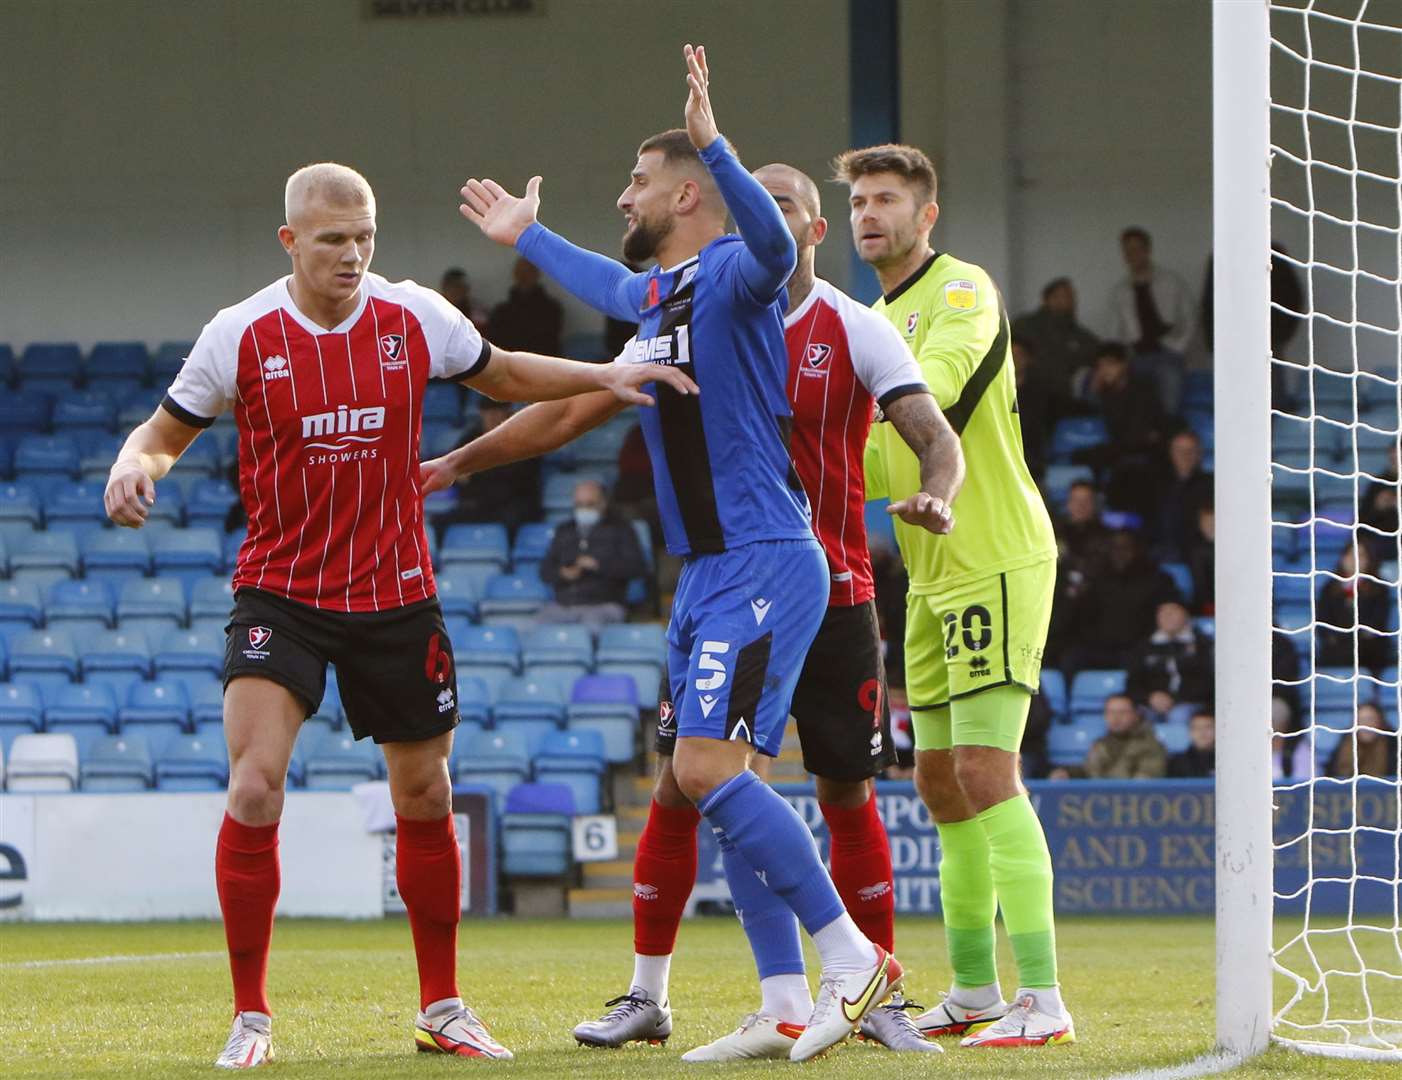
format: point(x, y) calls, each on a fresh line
point(204, 388)
point(883, 362)
point(455, 347)
point(626, 354)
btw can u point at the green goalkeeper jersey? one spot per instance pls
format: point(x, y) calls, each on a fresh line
point(953, 320)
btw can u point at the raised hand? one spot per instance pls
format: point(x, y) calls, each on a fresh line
point(926, 511)
point(129, 496)
point(700, 121)
point(500, 215)
point(624, 381)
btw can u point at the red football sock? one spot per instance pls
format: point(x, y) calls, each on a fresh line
point(664, 872)
point(861, 869)
point(428, 867)
point(247, 876)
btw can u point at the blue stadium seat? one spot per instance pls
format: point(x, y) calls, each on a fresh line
point(82, 703)
point(645, 676)
point(117, 763)
point(20, 502)
point(209, 503)
point(168, 360)
point(116, 555)
point(535, 831)
point(526, 698)
point(115, 656)
point(571, 645)
point(76, 507)
point(457, 592)
point(1068, 744)
point(1053, 689)
point(333, 761)
point(123, 361)
point(53, 366)
point(25, 411)
point(607, 704)
point(192, 763)
point(512, 600)
point(207, 706)
point(1090, 688)
point(1077, 433)
point(189, 650)
point(21, 603)
point(44, 458)
point(576, 759)
point(80, 410)
point(1335, 688)
point(1057, 481)
point(488, 647)
point(212, 598)
point(169, 507)
point(498, 759)
point(1173, 734)
point(164, 705)
point(632, 642)
point(557, 495)
point(442, 404)
point(81, 605)
point(21, 704)
point(585, 345)
point(152, 603)
point(484, 543)
point(189, 555)
point(1182, 578)
point(137, 406)
point(532, 542)
point(474, 701)
point(45, 657)
point(45, 551)
point(601, 446)
point(232, 542)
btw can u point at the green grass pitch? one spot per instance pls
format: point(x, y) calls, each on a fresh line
point(120, 1005)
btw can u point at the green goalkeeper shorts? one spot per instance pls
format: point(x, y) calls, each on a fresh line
point(980, 635)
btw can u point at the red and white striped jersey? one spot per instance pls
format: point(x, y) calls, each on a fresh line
point(844, 359)
point(328, 424)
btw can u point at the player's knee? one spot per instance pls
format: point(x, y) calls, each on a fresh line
point(666, 791)
point(697, 775)
point(986, 777)
point(849, 794)
point(938, 787)
point(424, 797)
point(256, 793)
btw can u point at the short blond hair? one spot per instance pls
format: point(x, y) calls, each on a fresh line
point(330, 182)
point(910, 163)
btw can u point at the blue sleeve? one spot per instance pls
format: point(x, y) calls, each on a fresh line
point(602, 283)
point(770, 255)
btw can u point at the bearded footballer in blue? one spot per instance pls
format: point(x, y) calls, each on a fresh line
point(755, 582)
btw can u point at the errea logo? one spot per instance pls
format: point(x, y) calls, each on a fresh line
point(275, 367)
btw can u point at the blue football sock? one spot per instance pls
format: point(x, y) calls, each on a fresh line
point(773, 839)
point(768, 922)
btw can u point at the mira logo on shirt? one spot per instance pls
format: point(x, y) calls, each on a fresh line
point(344, 431)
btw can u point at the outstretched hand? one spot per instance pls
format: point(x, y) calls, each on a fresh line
point(500, 215)
point(625, 380)
point(700, 121)
point(437, 474)
point(925, 511)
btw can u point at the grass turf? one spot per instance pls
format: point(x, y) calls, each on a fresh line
point(345, 997)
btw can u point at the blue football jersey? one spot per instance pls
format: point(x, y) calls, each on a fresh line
point(720, 459)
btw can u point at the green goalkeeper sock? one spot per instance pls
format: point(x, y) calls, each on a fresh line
point(966, 896)
point(1022, 875)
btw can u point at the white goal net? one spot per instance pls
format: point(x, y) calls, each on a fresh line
point(1335, 194)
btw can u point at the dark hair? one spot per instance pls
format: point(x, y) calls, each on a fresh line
point(1082, 484)
point(1112, 349)
point(1121, 695)
point(908, 162)
point(1203, 712)
point(1134, 232)
point(455, 273)
point(675, 145)
point(1054, 284)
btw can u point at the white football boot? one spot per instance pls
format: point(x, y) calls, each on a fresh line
point(950, 1018)
point(842, 1003)
point(457, 1032)
point(250, 1042)
point(1032, 1021)
point(758, 1036)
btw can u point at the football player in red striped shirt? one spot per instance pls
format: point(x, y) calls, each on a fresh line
point(845, 360)
point(325, 371)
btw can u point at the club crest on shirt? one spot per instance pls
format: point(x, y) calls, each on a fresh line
point(818, 355)
point(911, 322)
point(392, 346)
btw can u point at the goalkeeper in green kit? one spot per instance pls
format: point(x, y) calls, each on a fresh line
point(977, 614)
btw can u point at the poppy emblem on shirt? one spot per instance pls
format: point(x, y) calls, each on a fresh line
point(653, 296)
point(818, 355)
point(393, 345)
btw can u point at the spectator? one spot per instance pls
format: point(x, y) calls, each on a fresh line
point(1287, 301)
point(457, 290)
point(590, 560)
point(1202, 561)
point(1134, 424)
point(1200, 759)
point(1083, 544)
point(1379, 511)
point(1034, 406)
point(1171, 673)
point(1290, 750)
point(1152, 310)
point(1285, 673)
point(1355, 607)
point(1063, 346)
point(1185, 489)
point(509, 494)
point(1117, 608)
point(1377, 748)
point(1128, 750)
point(529, 319)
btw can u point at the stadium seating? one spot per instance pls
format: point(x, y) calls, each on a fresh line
point(458, 592)
point(25, 411)
point(570, 646)
point(46, 658)
point(85, 704)
point(42, 763)
point(117, 763)
point(498, 759)
point(1089, 689)
point(207, 706)
point(21, 706)
point(627, 643)
point(211, 598)
point(20, 604)
point(475, 544)
point(1077, 433)
point(120, 362)
point(164, 706)
point(474, 701)
point(512, 600)
point(530, 707)
point(116, 656)
point(78, 606)
point(46, 458)
point(116, 555)
point(1068, 744)
point(1053, 689)
point(535, 831)
point(45, 551)
point(488, 647)
point(189, 650)
point(192, 763)
point(575, 759)
point(84, 410)
point(335, 761)
point(155, 604)
point(209, 502)
point(608, 706)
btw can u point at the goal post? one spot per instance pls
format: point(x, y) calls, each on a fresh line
point(1242, 377)
point(1307, 238)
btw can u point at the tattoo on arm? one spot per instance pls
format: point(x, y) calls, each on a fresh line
point(925, 430)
